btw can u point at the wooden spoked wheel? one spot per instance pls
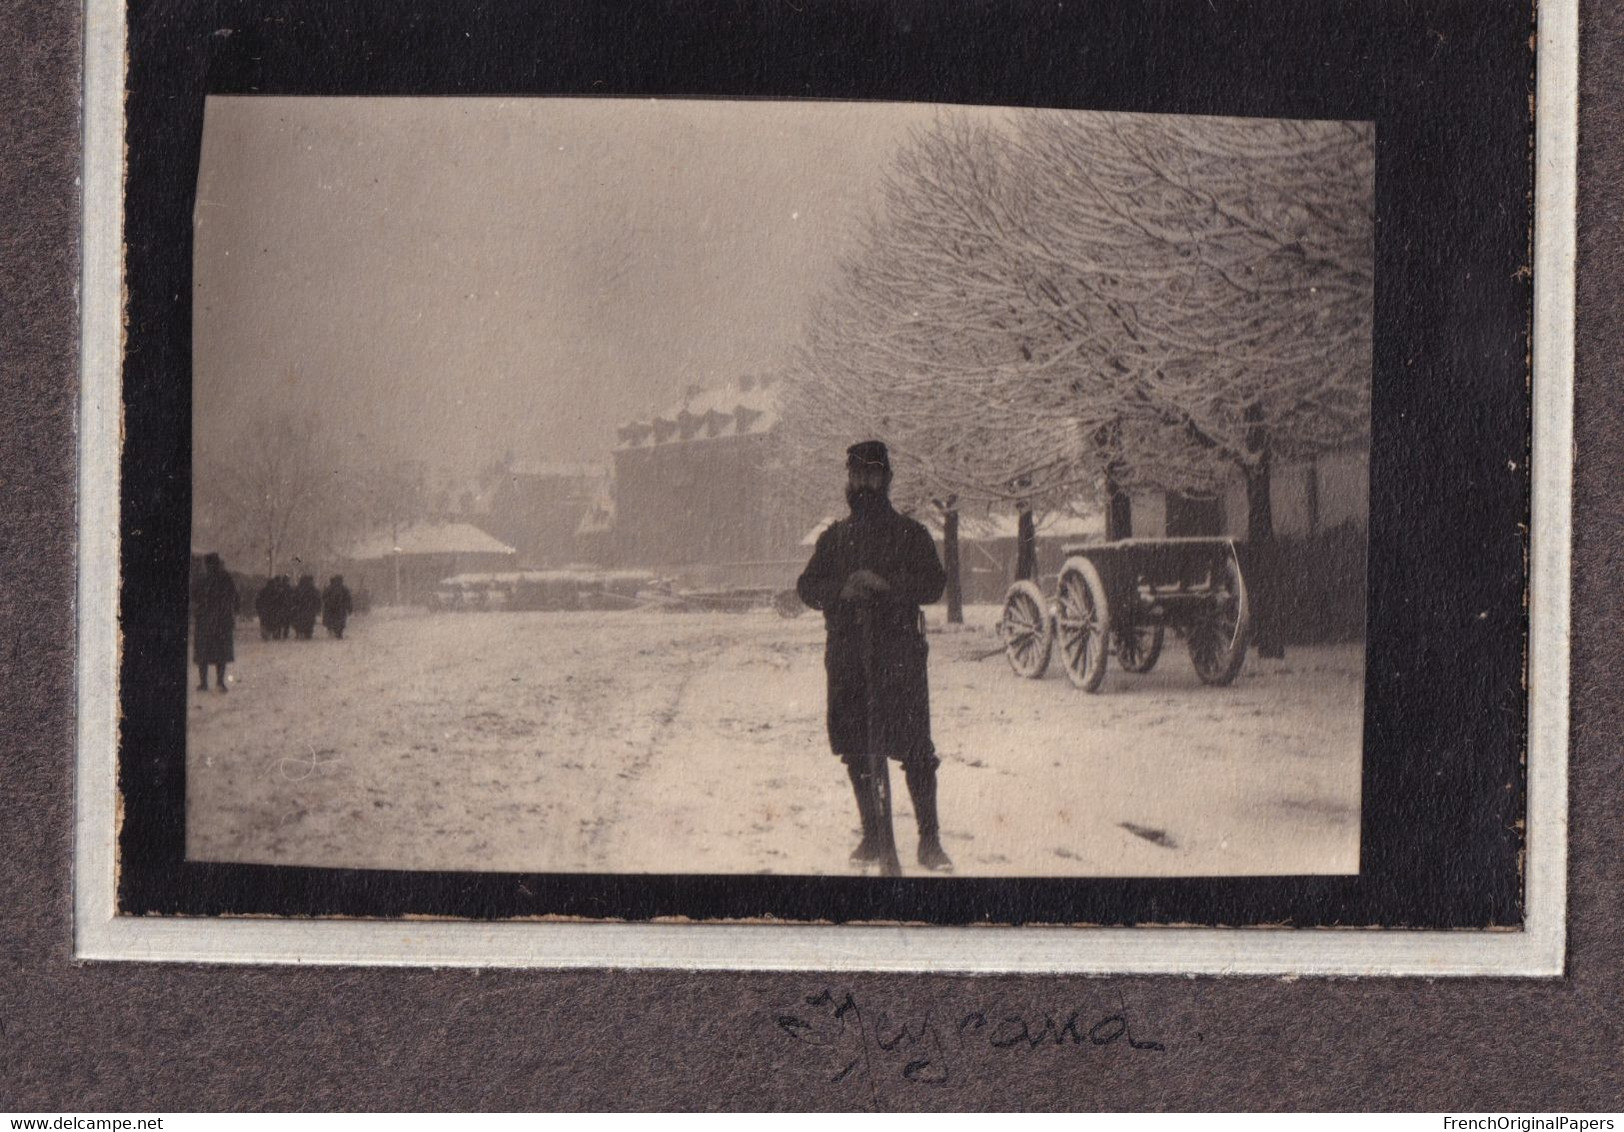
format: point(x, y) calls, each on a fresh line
point(1025, 631)
point(1082, 624)
point(1218, 640)
point(1140, 648)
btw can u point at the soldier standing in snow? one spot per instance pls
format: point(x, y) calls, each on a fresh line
point(279, 606)
point(265, 604)
point(336, 606)
point(214, 614)
point(869, 575)
point(304, 604)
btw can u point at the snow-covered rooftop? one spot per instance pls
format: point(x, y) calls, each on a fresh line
point(429, 538)
point(744, 407)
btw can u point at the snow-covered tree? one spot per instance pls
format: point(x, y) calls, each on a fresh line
point(919, 341)
point(1220, 271)
point(283, 494)
point(1068, 304)
point(268, 497)
point(1222, 267)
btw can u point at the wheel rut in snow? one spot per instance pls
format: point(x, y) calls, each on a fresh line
point(653, 725)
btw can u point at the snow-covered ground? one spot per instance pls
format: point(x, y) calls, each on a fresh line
point(667, 742)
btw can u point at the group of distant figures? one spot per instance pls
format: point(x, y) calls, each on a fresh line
point(283, 607)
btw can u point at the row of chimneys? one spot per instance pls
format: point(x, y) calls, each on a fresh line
point(686, 425)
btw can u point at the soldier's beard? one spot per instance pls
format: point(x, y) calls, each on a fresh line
point(864, 500)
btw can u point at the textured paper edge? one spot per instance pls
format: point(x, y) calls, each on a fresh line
point(1537, 950)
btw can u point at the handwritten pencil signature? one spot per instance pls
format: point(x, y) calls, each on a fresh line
point(921, 1050)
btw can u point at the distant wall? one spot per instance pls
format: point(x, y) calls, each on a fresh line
point(1321, 513)
point(538, 515)
point(1304, 498)
point(1149, 514)
point(702, 502)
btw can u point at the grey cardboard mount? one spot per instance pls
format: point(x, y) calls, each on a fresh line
point(161, 1037)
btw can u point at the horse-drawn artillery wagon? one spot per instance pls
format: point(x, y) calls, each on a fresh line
point(1120, 598)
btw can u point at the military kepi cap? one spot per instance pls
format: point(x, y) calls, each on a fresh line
point(868, 454)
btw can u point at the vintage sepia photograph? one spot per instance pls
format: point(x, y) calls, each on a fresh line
point(854, 491)
point(782, 487)
point(893, 555)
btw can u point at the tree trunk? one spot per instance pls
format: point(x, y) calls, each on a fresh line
point(1118, 510)
point(1026, 546)
point(1259, 507)
point(1263, 582)
point(950, 553)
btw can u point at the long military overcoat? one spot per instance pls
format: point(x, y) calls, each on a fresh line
point(336, 604)
point(304, 604)
point(214, 611)
point(901, 551)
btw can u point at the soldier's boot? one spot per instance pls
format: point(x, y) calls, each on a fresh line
point(862, 784)
point(922, 789)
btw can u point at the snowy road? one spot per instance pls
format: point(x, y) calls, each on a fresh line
point(664, 742)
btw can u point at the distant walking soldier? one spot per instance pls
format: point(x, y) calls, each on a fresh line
point(276, 612)
point(336, 606)
point(284, 607)
point(214, 614)
point(305, 603)
point(267, 604)
point(869, 575)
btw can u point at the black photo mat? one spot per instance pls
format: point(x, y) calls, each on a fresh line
point(1448, 87)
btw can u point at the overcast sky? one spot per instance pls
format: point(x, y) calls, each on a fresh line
point(449, 278)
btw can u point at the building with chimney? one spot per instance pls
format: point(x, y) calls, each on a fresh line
point(536, 506)
point(690, 497)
